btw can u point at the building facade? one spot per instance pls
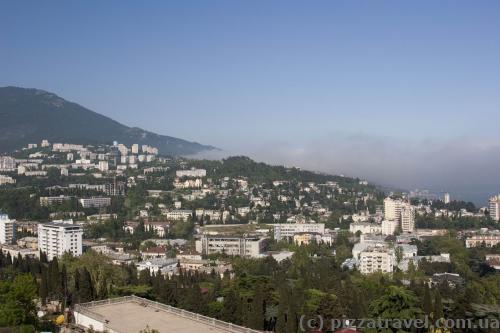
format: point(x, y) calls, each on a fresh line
point(376, 259)
point(55, 239)
point(392, 209)
point(407, 219)
point(495, 208)
point(245, 246)
point(95, 202)
point(7, 229)
point(288, 230)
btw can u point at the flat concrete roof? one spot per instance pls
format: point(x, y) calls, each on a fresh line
point(133, 317)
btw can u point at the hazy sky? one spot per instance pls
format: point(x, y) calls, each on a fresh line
point(402, 93)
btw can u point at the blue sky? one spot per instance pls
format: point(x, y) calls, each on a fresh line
point(393, 91)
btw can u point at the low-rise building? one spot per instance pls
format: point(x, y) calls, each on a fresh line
point(365, 228)
point(245, 246)
point(155, 265)
point(49, 201)
point(6, 180)
point(95, 202)
point(288, 230)
point(487, 238)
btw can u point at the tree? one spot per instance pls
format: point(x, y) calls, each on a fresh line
point(231, 307)
point(16, 301)
point(427, 302)
point(438, 306)
point(86, 290)
point(256, 317)
point(43, 290)
point(396, 303)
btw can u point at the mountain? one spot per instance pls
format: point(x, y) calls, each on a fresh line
point(30, 115)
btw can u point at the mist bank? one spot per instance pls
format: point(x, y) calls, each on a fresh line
point(465, 167)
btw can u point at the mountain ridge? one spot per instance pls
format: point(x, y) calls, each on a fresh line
point(28, 115)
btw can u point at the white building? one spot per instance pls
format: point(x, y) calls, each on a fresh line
point(7, 229)
point(103, 166)
point(392, 209)
point(389, 227)
point(376, 259)
point(288, 230)
point(155, 265)
point(191, 173)
point(55, 239)
point(179, 214)
point(446, 198)
point(7, 163)
point(365, 228)
point(95, 202)
point(495, 208)
point(407, 219)
point(245, 246)
point(6, 180)
point(487, 238)
point(135, 148)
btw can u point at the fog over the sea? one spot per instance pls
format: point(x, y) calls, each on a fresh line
point(468, 169)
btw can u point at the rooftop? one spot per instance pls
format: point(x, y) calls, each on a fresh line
point(132, 314)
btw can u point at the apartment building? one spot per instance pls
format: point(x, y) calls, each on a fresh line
point(179, 214)
point(7, 229)
point(495, 208)
point(48, 201)
point(376, 259)
point(7, 163)
point(392, 209)
point(407, 219)
point(245, 246)
point(389, 227)
point(55, 239)
point(195, 173)
point(288, 230)
point(95, 202)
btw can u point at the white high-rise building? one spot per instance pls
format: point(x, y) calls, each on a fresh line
point(495, 208)
point(55, 239)
point(392, 209)
point(407, 219)
point(7, 229)
point(135, 148)
point(447, 198)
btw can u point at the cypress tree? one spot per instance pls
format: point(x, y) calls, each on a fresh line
point(282, 309)
point(86, 289)
point(43, 290)
point(438, 306)
point(230, 307)
point(64, 285)
point(256, 317)
point(427, 302)
point(75, 297)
